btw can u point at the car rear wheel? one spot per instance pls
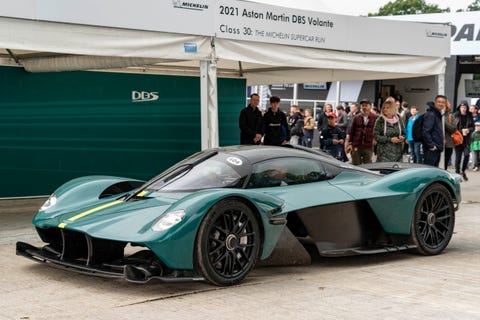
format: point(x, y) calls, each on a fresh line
point(227, 243)
point(433, 221)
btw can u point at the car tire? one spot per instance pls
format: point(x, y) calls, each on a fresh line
point(227, 243)
point(433, 220)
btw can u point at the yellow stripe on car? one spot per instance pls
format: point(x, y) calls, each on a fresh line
point(141, 194)
point(85, 213)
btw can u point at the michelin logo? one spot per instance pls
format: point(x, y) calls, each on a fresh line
point(190, 5)
point(143, 96)
point(434, 34)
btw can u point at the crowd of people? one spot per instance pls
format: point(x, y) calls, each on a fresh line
point(360, 132)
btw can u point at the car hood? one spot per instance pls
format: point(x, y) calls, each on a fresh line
point(106, 217)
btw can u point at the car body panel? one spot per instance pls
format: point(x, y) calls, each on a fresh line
point(347, 195)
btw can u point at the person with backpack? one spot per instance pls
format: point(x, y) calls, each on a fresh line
point(296, 132)
point(432, 131)
point(415, 146)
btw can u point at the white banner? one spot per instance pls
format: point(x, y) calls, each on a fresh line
point(263, 23)
point(192, 17)
point(465, 30)
point(244, 20)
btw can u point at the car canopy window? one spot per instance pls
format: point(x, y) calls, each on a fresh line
point(286, 171)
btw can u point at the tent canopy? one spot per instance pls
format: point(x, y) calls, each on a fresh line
point(51, 36)
point(41, 46)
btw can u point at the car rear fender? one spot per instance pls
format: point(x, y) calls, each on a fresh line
point(394, 196)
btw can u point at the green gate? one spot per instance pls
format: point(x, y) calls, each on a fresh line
point(58, 126)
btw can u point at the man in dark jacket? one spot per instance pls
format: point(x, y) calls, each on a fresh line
point(251, 122)
point(432, 131)
point(465, 124)
point(277, 131)
point(322, 121)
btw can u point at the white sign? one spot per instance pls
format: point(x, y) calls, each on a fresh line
point(243, 20)
point(263, 23)
point(465, 29)
point(189, 16)
point(313, 86)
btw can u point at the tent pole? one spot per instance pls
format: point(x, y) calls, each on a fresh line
point(213, 103)
point(209, 104)
point(337, 98)
point(295, 93)
point(204, 123)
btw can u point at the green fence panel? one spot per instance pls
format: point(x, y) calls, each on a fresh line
point(58, 126)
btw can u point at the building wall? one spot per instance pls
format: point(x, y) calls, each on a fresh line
point(416, 91)
point(58, 126)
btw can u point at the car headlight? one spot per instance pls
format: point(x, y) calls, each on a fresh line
point(51, 201)
point(168, 220)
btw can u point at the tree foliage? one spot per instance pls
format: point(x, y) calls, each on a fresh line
point(474, 6)
point(403, 7)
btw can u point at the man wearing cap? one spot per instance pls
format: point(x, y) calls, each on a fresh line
point(332, 137)
point(360, 137)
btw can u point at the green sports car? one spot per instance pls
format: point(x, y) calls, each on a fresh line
point(214, 215)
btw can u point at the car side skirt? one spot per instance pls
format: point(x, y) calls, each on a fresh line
point(348, 228)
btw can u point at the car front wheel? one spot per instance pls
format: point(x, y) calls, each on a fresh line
point(433, 221)
point(227, 243)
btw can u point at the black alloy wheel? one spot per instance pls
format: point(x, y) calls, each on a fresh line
point(433, 221)
point(227, 243)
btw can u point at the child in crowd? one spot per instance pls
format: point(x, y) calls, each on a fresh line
point(475, 146)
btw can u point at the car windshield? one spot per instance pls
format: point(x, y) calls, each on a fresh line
point(210, 173)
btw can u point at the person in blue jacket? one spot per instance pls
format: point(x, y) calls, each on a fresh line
point(413, 145)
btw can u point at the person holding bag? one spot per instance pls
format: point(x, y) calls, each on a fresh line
point(466, 126)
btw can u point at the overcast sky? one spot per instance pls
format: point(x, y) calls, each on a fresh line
point(357, 7)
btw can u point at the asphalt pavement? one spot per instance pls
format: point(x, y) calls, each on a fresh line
point(385, 286)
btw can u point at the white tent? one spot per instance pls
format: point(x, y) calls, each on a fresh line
point(46, 46)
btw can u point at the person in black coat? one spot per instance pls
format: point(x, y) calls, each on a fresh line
point(465, 124)
point(251, 122)
point(432, 131)
point(277, 131)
